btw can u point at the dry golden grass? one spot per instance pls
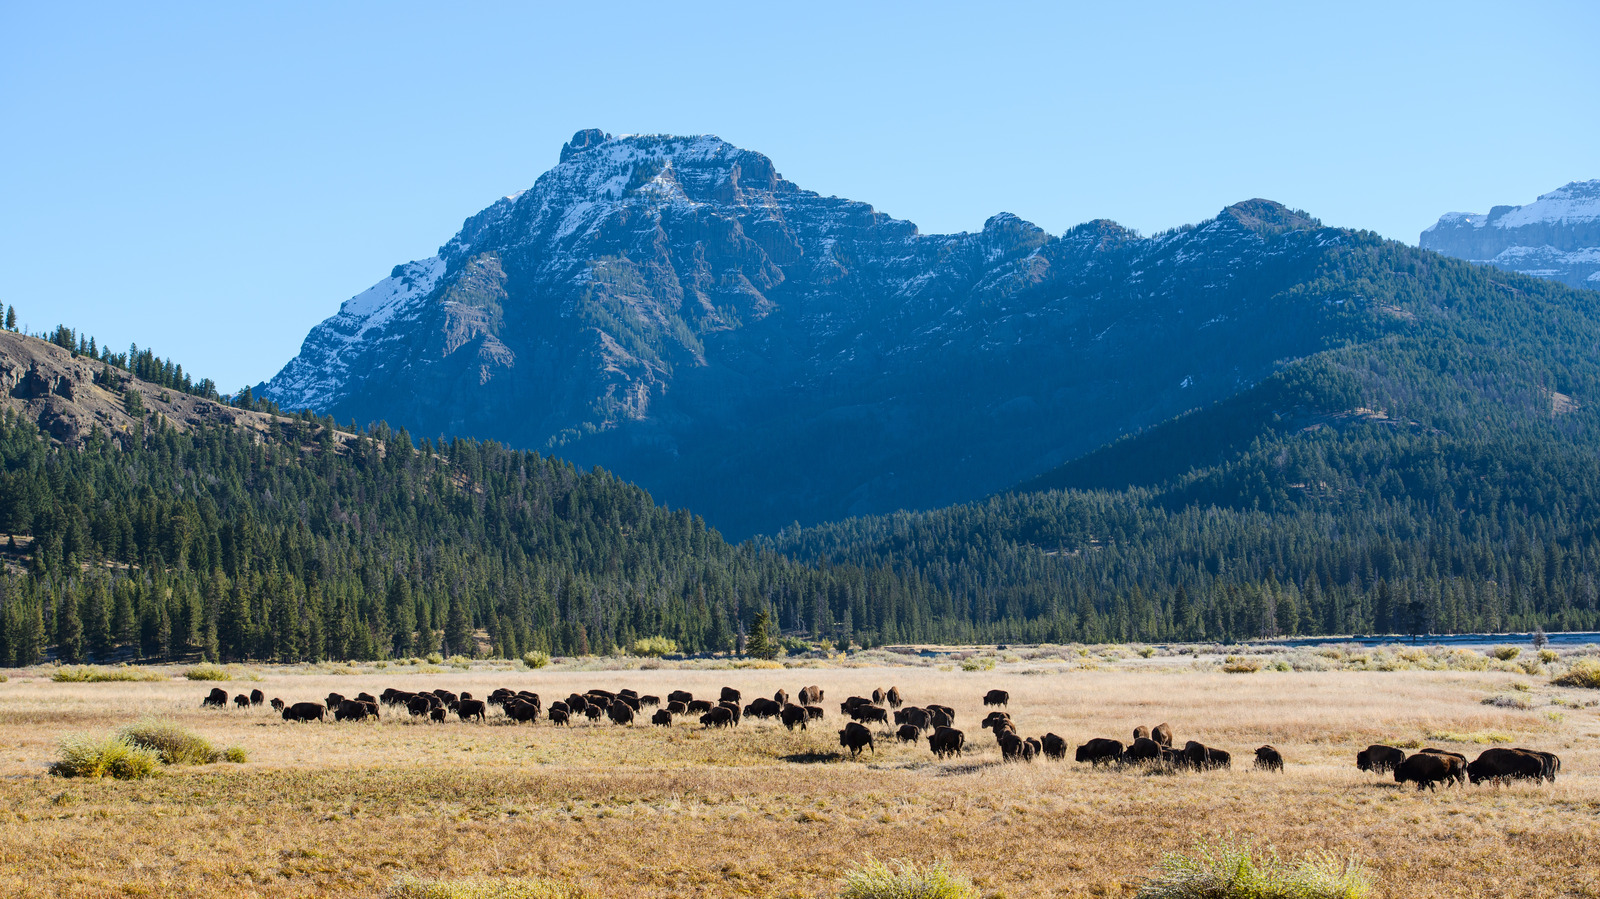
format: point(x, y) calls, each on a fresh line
point(344, 810)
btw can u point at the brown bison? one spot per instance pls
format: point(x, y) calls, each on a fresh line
point(593, 712)
point(893, 696)
point(620, 713)
point(946, 742)
point(815, 712)
point(733, 709)
point(1054, 747)
point(354, 710)
point(683, 696)
point(993, 718)
point(1010, 746)
point(521, 710)
point(1162, 733)
point(853, 703)
point(1425, 769)
point(649, 702)
point(333, 700)
point(1269, 759)
point(865, 713)
point(810, 695)
point(257, 697)
point(1142, 749)
point(721, 716)
point(437, 713)
point(997, 697)
point(728, 694)
point(1503, 765)
point(472, 708)
point(878, 696)
point(1458, 764)
point(1141, 733)
point(305, 711)
point(419, 706)
point(277, 704)
point(854, 737)
point(913, 716)
point(907, 734)
point(781, 698)
point(217, 698)
point(1100, 751)
point(677, 708)
point(699, 705)
point(1378, 758)
point(763, 708)
point(662, 718)
point(794, 715)
point(559, 716)
point(242, 701)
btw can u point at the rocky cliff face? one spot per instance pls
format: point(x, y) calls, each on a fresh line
point(1555, 237)
point(673, 309)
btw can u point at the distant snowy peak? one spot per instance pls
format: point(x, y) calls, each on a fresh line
point(1557, 236)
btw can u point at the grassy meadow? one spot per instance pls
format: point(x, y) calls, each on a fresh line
point(351, 809)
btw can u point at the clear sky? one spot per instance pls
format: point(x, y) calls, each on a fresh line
point(212, 180)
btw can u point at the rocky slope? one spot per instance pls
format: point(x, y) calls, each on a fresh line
point(1555, 237)
point(673, 309)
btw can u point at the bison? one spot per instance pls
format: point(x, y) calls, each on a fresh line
point(815, 712)
point(1054, 747)
point(946, 742)
point(1269, 759)
point(893, 696)
point(1425, 769)
point(217, 698)
point(733, 709)
point(1457, 764)
point(1506, 764)
point(437, 713)
point(948, 712)
point(472, 708)
point(650, 702)
point(1099, 751)
point(993, 718)
point(559, 716)
point(997, 697)
point(1010, 746)
point(520, 710)
point(661, 718)
point(865, 713)
point(793, 715)
point(333, 700)
point(1162, 733)
point(1141, 733)
point(257, 697)
point(721, 716)
point(728, 694)
point(277, 704)
point(854, 737)
point(1378, 758)
point(683, 696)
point(676, 708)
point(763, 708)
point(620, 713)
point(878, 696)
point(354, 710)
point(1142, 749)
point(907, 734)
point(781, 698)
point(419, 706)
point(593, 712)
point(810, 695)
point(699, 705)
point(242, 701)
point(305, 711)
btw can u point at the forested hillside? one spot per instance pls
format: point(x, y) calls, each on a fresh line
point(1441, 477)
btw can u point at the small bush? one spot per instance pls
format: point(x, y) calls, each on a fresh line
point(1484, 736)
point(1227, 870)
point(208, 672)
point(654, 646)
point(536, 658)
point(1583, 673)
point(1241, 665)
point(906, 880)
point(1509, 701)
point(84, 756)
point(174, 744)
point(92, 674)
point(435, 658)
point(1507, 653)
point(977, 664)
point(482, 888)
point(235, 755)
point(1548, 655)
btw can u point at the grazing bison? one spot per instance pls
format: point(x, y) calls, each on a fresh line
point(419, 706)
point(277, 704)
point(1141, 733)
point(946, 742)
point(913, 716)
point(632, 702)
point(1142, 749)
point(878, 696)
point(937, 718)
point(649, 702)
point(305, 711)
point(733, 709)
point(1269, 759)
point(1378, 758)
point(810, 695)
point(866, 713)
point(472, 708)
point(217, 698)
point(781, 698)
point(676, 708)
point(993, 718)
point(437, 713)
point(1100, 751)
point(1218, 758)
point(763, 708)
point(1425, 769)
point(907, 734)
point(853, 703)
point(721, 716)
point(1054, 747)
point(793, 715)
point(1032, 748)
point(1010, 746)
point(683, 696)
point(895, 701)
point(621, 713)
point(578, 704)
point(368, 697)
point(1552, 763)
point(1506, 764)
point(1454, 761)
point(1162, 733)
point(242, 701)
point(465, 696)
point(728, 694)
point(699, 705)
point(257, 697)
point(593, 712)
point(353, 710)
point(661, 718)
point(1196, 755)
point(558, 716)
point(520, 710)
point(815, 712)
point(997, 697)
point(854, 737)
point(333, 700)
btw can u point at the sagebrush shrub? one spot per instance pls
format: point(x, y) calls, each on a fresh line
point(173, 743)
point(1230, 870)
point(482, 888)
point(1583, 673)
point(208, 672)
point(95, 757)
point(906, 880)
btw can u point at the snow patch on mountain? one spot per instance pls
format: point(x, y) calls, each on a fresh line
point(1557, 236)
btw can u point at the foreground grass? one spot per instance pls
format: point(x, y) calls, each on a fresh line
point(347, 810)
point(1236, 870)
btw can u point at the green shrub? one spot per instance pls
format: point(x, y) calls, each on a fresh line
point(208, 672)
point(482, 888)
point(235, 754)
point(1583, 673)
point(95, 757)
point(536, 658)
point(1482, 736)
point(172, 743)
point(435, 658)
point(1507, 653)
point(654, 646)
point(1548, 655)
point(906, 880)
point(1227, 870)
point(93, 674)
point(977, 665)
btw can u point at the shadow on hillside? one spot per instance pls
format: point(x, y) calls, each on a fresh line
point(811, 758)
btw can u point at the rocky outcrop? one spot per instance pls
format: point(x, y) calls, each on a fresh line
point(1555, 237)
point(675, 310)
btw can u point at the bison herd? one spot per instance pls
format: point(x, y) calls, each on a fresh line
point(1149, 746)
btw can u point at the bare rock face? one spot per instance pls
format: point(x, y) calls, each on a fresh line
point(1556, 237)
point(675, 310)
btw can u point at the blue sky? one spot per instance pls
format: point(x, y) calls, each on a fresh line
point(212, 180)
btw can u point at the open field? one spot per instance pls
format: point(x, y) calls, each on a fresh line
point(342, 810)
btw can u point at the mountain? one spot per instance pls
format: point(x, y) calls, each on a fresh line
point(1557, 236)
point(675, 311)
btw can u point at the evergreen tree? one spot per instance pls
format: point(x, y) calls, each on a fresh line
point(759, 643)
point(69, 629)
